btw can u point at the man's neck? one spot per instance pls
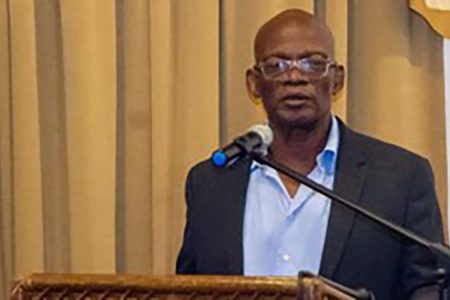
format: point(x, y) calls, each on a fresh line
point(298, 148)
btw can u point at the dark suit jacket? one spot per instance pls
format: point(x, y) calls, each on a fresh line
point(385, 179)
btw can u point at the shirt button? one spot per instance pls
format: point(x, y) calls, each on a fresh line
point(286, 257)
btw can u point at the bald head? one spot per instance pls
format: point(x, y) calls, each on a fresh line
point(289, 21)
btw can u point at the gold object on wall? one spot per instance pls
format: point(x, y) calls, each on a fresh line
point(435, 12)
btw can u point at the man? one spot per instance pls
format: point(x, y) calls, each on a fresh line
point(251, 220)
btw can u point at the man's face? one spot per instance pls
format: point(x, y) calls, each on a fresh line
point(294, 98)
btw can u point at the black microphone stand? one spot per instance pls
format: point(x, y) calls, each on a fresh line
point(441, 251)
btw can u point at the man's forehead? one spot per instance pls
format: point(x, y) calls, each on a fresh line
point(294, 43)
point(294, 22)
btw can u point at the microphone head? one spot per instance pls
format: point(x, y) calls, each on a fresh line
point(256, 139)
point(266, 135)
point(219, 158)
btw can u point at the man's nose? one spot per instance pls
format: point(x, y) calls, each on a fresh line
point(295, 76)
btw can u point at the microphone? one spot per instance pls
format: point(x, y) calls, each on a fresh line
point(257, 139)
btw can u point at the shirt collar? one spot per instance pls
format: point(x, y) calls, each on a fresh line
point(326, 160)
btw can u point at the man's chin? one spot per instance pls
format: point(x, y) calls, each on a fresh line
point(304, 121)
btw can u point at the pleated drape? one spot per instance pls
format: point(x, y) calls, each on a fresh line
point(105, 104)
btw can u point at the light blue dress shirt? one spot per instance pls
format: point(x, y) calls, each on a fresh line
point(283, 235)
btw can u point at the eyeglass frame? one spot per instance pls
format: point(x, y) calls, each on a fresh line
point(294, 63)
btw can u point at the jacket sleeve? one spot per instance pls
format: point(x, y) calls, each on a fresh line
point(186, 258)
point(422, 217)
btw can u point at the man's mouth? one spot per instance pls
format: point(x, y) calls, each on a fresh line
point(295, 99)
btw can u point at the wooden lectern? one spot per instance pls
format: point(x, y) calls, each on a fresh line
point(137, 287)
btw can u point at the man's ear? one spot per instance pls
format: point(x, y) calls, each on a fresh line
point(253, 84)
point(339, 79)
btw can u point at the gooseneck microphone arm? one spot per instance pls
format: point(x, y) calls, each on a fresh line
point(438, 249)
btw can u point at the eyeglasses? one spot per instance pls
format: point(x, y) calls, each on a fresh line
point(312, 67)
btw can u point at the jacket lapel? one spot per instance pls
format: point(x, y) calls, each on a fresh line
point(351, 172)
point(234, 193)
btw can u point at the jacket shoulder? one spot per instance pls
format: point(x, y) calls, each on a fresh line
point(208, 171)
point(383, 151)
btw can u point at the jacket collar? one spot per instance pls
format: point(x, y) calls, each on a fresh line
point(351, 174)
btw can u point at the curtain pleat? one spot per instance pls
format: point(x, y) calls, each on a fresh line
point(104, 106)
point(396, 89)
point(25, 135)
point(6, 162)
point(89, 51)
point(133, 198)
point(53, 136)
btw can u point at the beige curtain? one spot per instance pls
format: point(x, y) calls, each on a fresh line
point(396, 81)
point(105, 104)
